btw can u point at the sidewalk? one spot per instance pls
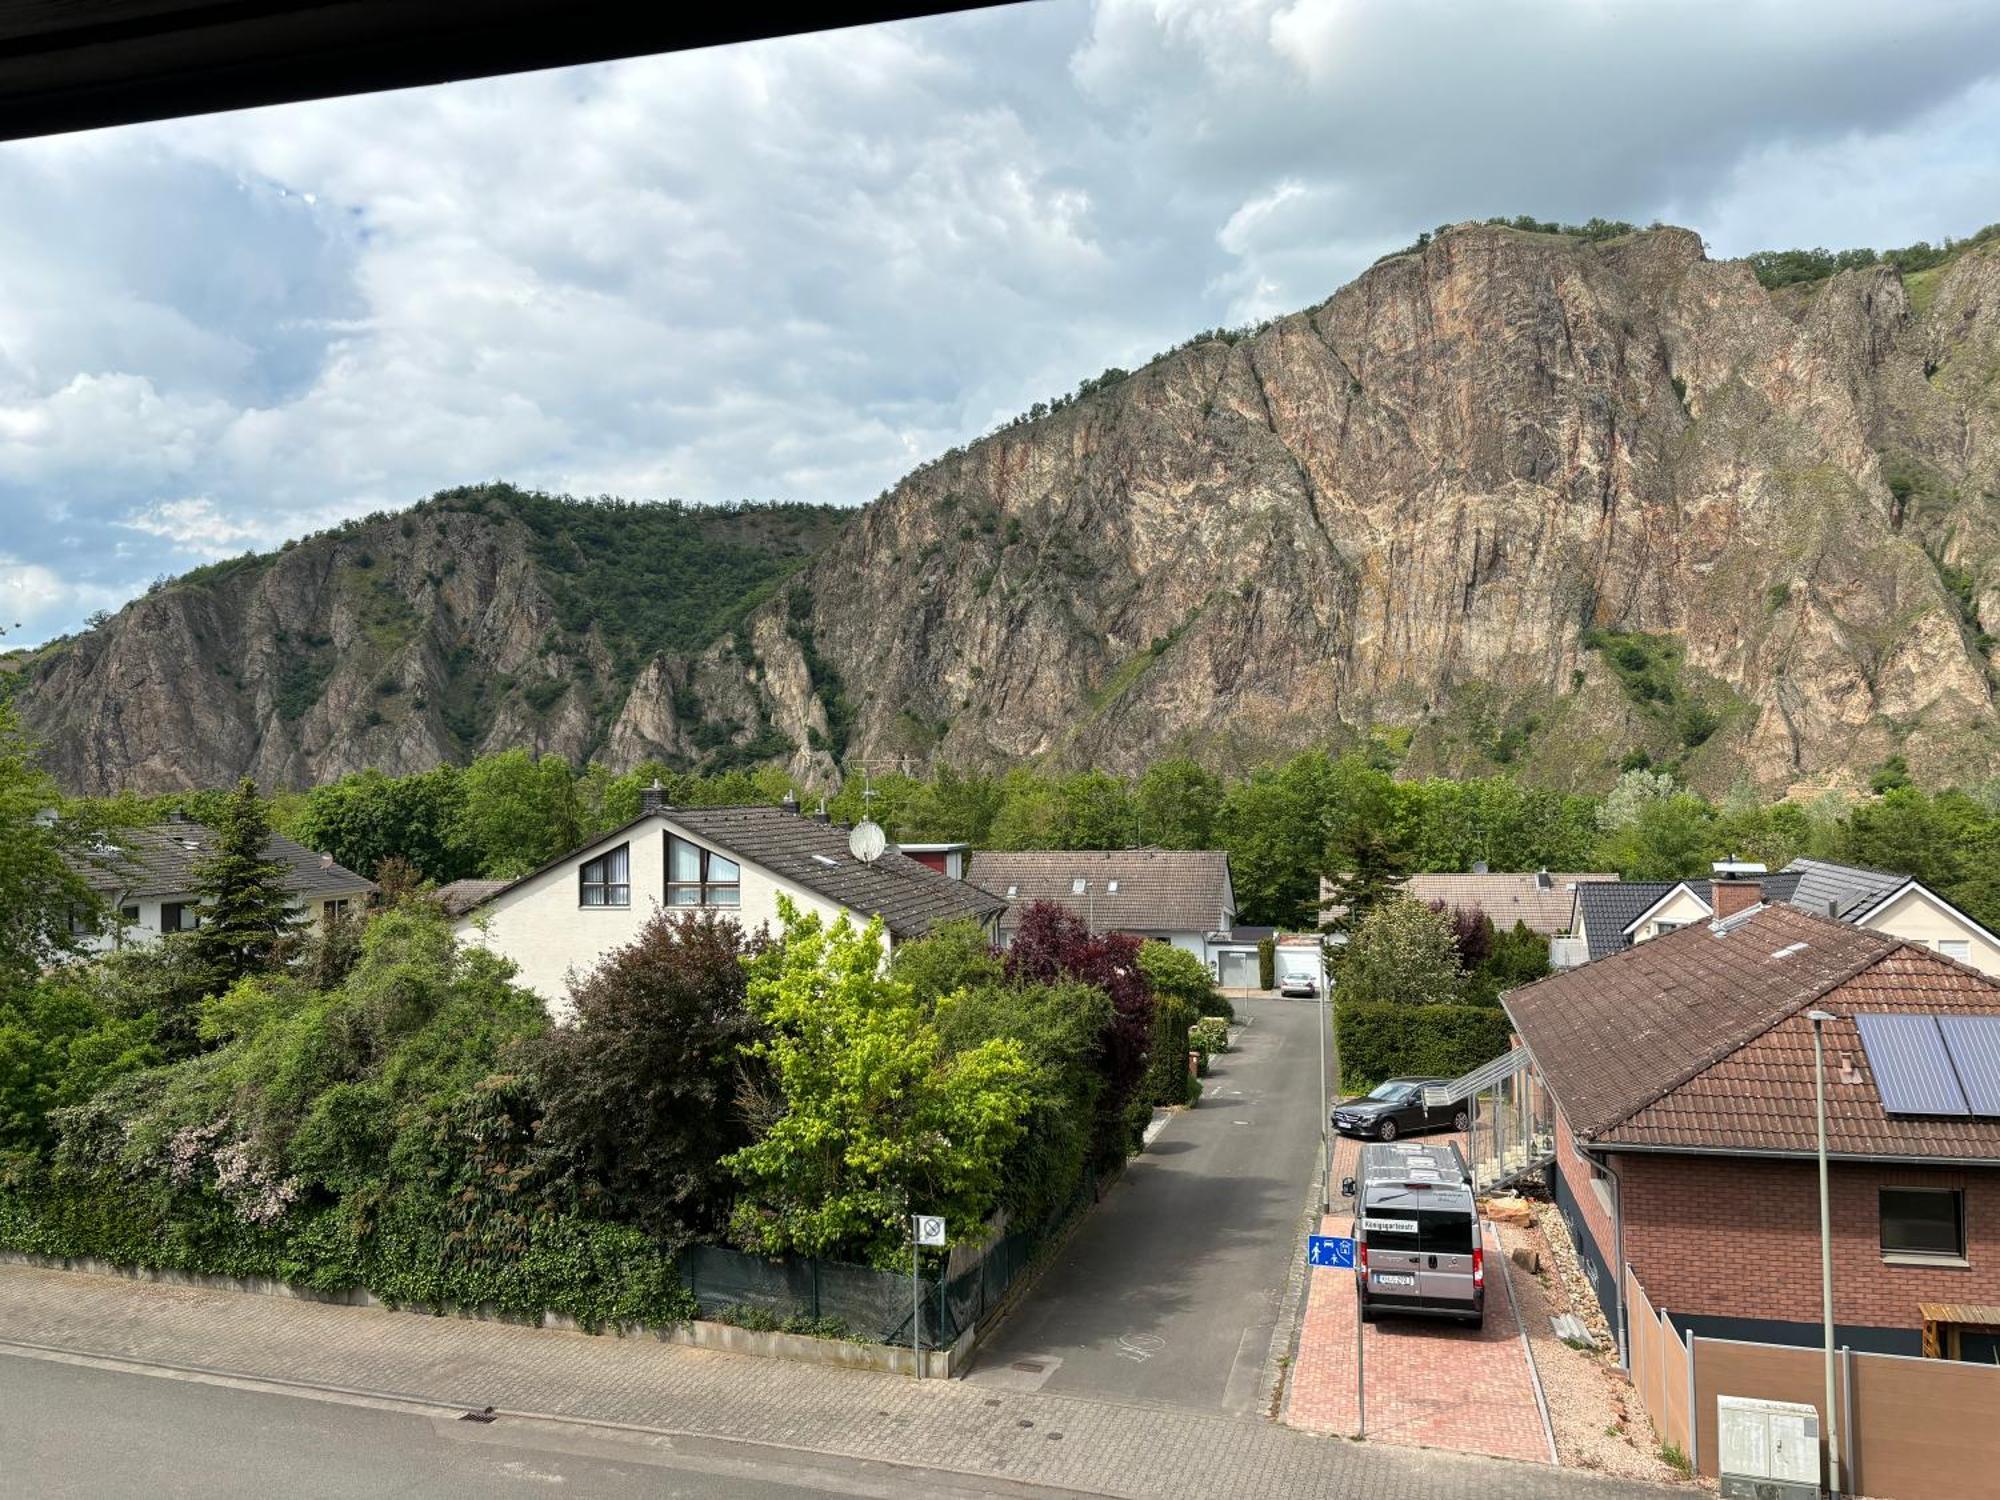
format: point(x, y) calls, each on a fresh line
point(1056, 1441)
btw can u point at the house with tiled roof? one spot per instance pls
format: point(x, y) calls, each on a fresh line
point(563, 918)
point(1612, 915)
point(144, 879)
point(1681, 1075)
point(1180, 896)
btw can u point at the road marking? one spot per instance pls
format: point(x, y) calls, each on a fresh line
point(1139, 1347)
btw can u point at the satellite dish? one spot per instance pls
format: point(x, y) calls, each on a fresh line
point(867, 841)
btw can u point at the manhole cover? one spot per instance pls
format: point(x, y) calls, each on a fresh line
point(1032, 1366)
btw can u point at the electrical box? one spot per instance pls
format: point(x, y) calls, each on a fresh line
point(1767, 1450)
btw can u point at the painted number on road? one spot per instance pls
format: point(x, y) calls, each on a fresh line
point(1330, 1250)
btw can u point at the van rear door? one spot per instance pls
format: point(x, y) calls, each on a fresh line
point(1395, 1251)
point(1445, 1241)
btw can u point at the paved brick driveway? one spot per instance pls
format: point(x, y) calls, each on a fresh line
point(1434, 1384)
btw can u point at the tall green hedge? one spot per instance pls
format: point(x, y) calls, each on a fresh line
point(1381, 1039)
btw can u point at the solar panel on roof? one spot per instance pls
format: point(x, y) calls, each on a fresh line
point(1913, 1072)
point(1974, 1045)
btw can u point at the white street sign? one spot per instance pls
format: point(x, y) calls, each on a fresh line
point(929, 1229)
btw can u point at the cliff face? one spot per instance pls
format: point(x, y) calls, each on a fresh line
point(1523, 499)
point(1515, 499)
point(468, 624)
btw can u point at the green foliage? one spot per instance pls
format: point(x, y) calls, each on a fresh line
point(246, 900)
point(637, 1088)
point(1057, 1026)
point(39, 887)
point(872, 1117)
point(1166, 1062)
point(1176, 802)
point(952, 956)
point(58, 1045)
point(1776, 268)
point(1210, 1035)
point(1267, 963)
point(1402, 953)
point(518, 812)
point(367, 818)
point(1384, 1038)
point(1177, 973)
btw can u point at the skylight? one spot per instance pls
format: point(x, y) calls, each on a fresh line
point(1112, 886)
point(826, 860)
point(1789, 949)
point(1078, 886)
point(1013, 891)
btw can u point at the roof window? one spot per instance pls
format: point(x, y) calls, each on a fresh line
point(1013, 891)
point(1112, 887)
point(826, 859)
point(1078, 886)
point(1789, 949)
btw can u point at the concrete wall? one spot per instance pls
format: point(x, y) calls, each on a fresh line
point(1917, 918)
point(1736, 1237)
point(543, 926)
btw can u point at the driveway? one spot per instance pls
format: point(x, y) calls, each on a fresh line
point(1170, 1291)
point(1431, 1383)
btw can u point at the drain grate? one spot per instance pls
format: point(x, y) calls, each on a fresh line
point(484, 1414)
point(1031, 1366)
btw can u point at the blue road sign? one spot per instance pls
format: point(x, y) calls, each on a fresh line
point(1330, 1250)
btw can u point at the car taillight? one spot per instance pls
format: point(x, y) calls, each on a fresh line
point(1361, 1257)
point(1478, 1267)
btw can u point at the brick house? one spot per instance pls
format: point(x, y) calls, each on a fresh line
point(1681, 1074)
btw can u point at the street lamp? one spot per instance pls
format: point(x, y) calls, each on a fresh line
point(1819, 1018)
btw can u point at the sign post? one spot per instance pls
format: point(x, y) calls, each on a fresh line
point(925, 1229)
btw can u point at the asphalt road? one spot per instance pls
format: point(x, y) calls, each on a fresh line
point(1170, 1291)
point(86, 1430)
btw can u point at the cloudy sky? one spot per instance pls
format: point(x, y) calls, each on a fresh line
point(794, 269)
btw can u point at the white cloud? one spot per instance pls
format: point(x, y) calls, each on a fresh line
point(792, 269)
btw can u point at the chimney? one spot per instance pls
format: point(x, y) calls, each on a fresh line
point(820, 814)
point(791, 803)
point(653, 799)
point(1542, 881)
point(1735, 885)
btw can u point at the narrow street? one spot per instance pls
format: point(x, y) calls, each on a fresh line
point(1171, 1291)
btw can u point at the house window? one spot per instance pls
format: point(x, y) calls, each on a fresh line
point(1958, 948)
point(178, 916)
point(701, 877)
point(128, 913)
point(1661, 929)
point(607, 879)
point(332, 911)
point(82, 921)
point(1923, 1221)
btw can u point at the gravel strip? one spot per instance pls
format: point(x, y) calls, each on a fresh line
point(1599, 1424)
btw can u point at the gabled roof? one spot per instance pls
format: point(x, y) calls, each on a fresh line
point(159, 859)
point(1697, 1040)
point(1607, 909)
point(909, 897)
point(1159, 890)
point(1682, 888)
point(458, 897)
point(1828, 889)
point(1543, 899)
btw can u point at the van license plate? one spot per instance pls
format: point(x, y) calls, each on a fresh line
point(1390, 1278)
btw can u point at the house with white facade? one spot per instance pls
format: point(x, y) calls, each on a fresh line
point(1614, 915)
point(145, 879)
point(1180, 896)
point(564, 918)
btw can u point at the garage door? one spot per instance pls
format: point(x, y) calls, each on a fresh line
point(1239, 971)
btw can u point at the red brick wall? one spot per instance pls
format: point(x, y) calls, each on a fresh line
point(1731, 896)
point(1739, 1237)
point(1576, 1171)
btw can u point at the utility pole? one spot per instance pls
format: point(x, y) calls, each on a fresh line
point(1819, 1018)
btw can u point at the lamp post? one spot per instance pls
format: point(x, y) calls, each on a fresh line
point(1819, 1018)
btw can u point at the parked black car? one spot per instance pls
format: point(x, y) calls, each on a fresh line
point(1396, 1108)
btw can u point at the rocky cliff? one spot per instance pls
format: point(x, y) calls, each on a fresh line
point(1511, 499)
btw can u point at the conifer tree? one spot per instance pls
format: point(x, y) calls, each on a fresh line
point(246, 908)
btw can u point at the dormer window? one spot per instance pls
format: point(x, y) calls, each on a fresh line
point(701, 877)
point(607, 879)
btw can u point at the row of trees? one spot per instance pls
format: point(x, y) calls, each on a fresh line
point(1342, 816)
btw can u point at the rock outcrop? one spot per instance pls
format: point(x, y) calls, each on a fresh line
point(1512, 499)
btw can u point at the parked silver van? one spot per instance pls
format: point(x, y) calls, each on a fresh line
point(1417, 1246)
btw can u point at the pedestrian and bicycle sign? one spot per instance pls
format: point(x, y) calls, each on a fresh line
point(1330, 1250)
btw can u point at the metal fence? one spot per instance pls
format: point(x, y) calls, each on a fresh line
point(869, 1304)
